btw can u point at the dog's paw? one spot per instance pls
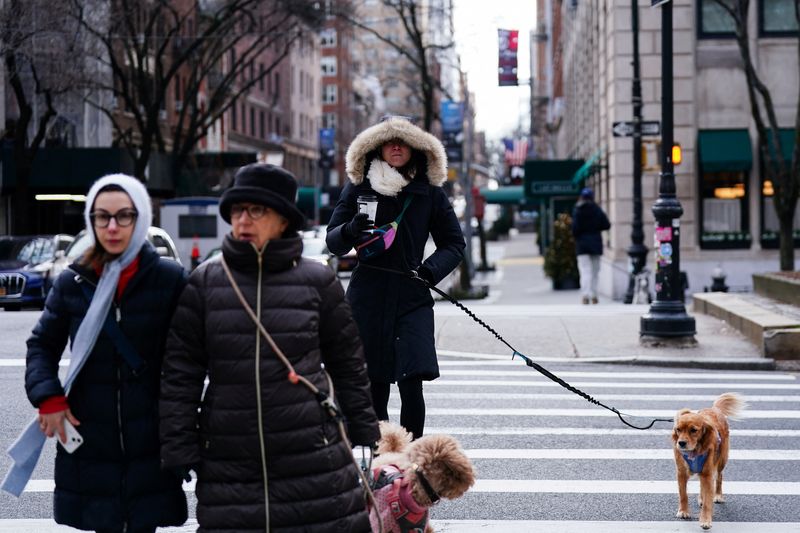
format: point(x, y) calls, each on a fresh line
point(706, 525)
point(684, 515)
point(719, 498)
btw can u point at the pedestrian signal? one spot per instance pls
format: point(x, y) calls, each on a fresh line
point(677, 155)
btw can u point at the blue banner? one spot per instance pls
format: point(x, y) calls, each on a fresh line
point(326, 138)
point(452, 115)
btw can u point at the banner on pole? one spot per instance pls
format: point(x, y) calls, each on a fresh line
point(507, 41)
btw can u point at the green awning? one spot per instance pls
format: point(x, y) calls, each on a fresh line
point(725, 151)
point(513, 194)
point(587, 169)
point(306, 197)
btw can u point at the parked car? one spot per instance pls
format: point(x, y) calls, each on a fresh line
point(344, 263)
point(317, 250)
point(159, 238)
point(27, 268)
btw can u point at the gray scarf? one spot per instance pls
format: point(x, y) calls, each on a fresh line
point(27, 448)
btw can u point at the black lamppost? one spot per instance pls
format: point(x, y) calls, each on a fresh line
point(637, 252)
point(667, 316)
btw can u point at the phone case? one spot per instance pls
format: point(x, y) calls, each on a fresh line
point(74, 439)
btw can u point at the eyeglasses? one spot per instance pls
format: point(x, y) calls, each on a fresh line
point(254, 211)
point(123, 217)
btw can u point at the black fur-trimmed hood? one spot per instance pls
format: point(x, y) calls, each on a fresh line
point(396, 128)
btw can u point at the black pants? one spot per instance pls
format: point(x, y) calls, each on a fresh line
point(412, 404)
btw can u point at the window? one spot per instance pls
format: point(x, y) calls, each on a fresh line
point(770, 227)
point(328, 64)
point(329, 94)
point(233, 116)
point(252, 122)
point(262, 119)
point(261, 77)
point(777, 18)
point(725, 163)
point(202, 226)
point(244, 118)
point(277, 84)
point(713, 22)
point(327, 38)
point(329, 120)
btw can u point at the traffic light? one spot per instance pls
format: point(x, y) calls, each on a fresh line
point(677, 155)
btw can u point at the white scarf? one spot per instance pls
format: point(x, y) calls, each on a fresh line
point(385, 179)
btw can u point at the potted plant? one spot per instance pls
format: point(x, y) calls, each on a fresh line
point(560, 263)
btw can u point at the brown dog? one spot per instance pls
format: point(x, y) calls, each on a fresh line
point(408, 477)
point(702, 440)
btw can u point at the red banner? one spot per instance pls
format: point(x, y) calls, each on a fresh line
point(507, 41)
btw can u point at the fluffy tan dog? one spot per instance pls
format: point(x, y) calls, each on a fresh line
point(408, 477)
point(702, 441)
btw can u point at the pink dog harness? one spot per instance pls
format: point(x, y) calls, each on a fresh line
point(397, 508)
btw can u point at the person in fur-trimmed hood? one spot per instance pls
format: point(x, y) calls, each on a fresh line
point(404, 167)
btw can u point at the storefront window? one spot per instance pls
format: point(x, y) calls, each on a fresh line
point(777, 18)
point(770, 227)
point(724, 210)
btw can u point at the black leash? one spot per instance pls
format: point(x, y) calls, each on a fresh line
point(528, 361)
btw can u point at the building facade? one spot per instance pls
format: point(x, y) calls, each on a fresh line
point(728, 220)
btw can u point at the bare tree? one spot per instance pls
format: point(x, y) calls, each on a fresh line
point(41, 55)
point(415, 45)
point(208, 47)
point(785, 175)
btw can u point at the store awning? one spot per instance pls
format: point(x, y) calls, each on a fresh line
point(513, 194)
point(587, 169)
point(725, 150)
point(787, 143)
point(306, 197)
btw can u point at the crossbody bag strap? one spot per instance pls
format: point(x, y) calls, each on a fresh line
point(405, 206)
point(112, 329)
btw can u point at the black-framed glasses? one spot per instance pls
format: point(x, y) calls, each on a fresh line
point(254, 211)
point(123, 217)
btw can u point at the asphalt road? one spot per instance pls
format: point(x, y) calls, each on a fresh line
point(546, 459)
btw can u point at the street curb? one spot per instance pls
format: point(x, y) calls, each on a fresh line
point(750, 363)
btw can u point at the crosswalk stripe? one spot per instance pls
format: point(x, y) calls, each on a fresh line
point(633, 454)
point(572, 486)
point(486, 526)
point(523, 370)
point(511, 384)
point(629, 397)
point(640, 413)
point(431, 430)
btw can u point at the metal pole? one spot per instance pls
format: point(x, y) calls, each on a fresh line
point(667, 316)
point(637, 252)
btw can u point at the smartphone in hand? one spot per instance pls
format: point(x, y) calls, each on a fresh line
point(74, 439)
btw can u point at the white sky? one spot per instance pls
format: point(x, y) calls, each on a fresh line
point(498, 109)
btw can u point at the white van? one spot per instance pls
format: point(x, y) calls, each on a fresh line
point(193, 220)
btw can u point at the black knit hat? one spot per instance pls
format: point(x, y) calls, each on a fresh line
point(264, 184)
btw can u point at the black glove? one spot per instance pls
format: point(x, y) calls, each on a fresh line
point(423, 273)
point(353, 229)
point(182, 472)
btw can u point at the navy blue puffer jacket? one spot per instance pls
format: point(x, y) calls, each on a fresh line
point(588, 220)
point(114, 479)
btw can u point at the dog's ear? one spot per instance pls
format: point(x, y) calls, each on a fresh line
point(708, 440)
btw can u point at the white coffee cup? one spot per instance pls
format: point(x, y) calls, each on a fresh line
point(368, 204)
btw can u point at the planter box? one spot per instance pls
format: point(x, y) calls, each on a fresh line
point(568, 284)
point(781, 286)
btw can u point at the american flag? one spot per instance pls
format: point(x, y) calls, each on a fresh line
point(516, 151)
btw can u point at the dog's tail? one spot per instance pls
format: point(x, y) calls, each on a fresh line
point(731, 404)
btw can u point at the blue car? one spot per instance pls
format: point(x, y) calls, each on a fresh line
point(26, 268)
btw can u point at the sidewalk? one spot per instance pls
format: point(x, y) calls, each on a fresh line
point(545, 324)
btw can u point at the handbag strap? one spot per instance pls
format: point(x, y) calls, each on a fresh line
point(405, 206)
point(112, 329)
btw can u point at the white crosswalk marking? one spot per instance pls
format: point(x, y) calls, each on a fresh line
point(534, 442)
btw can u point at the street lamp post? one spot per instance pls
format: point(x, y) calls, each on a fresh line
point(667, 316)
point(637, 252)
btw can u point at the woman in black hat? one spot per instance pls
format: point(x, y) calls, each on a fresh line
point(404, 167)
point(268, 454)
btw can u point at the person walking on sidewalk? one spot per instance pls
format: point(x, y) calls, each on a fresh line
point(114, 306)
point(267, 452)
point(588, 220)
point(403, 167)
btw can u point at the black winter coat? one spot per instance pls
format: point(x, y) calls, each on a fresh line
point(394, 313)
point(253, 424)
point(114, 478)
point(588, 220)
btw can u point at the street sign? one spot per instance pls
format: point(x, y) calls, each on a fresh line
point(553, 188)
point(656, 3)
point(625, 129)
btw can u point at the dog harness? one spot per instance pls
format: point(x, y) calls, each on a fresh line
point(696, 461)
point(397, 508)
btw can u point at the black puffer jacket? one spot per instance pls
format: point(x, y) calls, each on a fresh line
point(114, 478)
point(253, 423)
point(588, 220)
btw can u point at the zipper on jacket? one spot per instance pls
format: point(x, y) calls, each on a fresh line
point(259, 407)
point(118, 314)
